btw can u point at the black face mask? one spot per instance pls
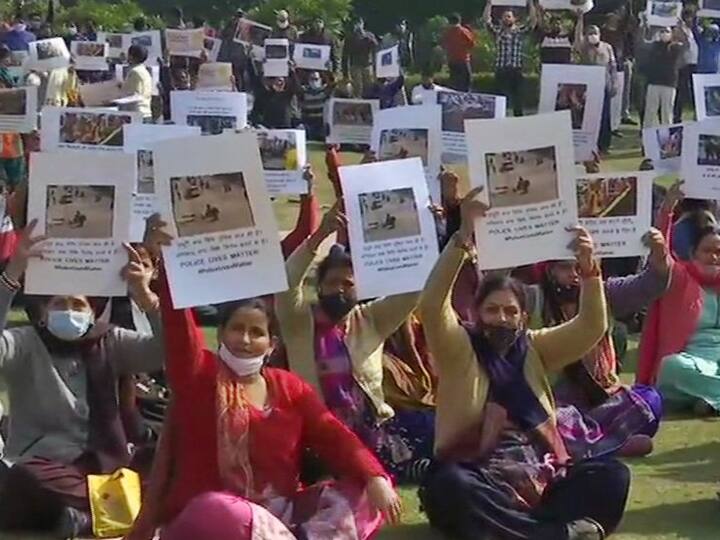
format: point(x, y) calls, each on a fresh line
point(500, 338)
point(566, 294)
point(336, 305)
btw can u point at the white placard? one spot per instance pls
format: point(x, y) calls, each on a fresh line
point(580, 89)
point(18, 109)
point(48, 54)
point(139, 141)
point(701, 159)
point(390, 225)
point(528, 175)
point(214, 198)
point(663, 13)
point(185, 42)
point(458, 107)
point(116, 43)
point(567, 5)
point(214, 112)
point(387, 63)
point(616, 102)
point(312, 57)
point(212, 48)
point(350, 121)
point(76, 128)
point(510, 3)
point(663, 146)
point(616, 209)
point(284, 155)
point(253, 34)
point(277, 58)
point(100, 94)
point(82, 203)
point(709, 8)
point(706, 87)
point(215, 76)
point(408, 132)
point(121, 71)
point(150, 39)
point(90, 55)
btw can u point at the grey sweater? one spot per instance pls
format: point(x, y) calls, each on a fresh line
point(47, 394)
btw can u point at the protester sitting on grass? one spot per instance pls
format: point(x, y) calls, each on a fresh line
point(228, 465)
point(503, 464)
point(679, 344)
point(61, 374)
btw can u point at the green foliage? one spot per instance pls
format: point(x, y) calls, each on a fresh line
point(109, 16)
point(304, 11)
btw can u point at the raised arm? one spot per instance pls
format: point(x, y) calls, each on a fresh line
point(487, 15)
point(532, 15)
point(579, 41)
point(562, 345)
point(308, 218)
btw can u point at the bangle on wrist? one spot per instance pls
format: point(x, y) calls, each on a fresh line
point(10, 283)
point(593, 272)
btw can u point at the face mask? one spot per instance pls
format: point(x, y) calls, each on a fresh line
point(566, 294)
point(336, 306)
point(501, 338)
point(283, 24)
point(69, 325)
point(593, 39)
point(72, 31)
point(242, 367)
point(665, 37)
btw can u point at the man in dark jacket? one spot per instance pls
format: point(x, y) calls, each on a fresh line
point(358, 57)
point(317, 34)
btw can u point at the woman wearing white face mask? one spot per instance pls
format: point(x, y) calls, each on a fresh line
point(229, 466)
point(62, 377)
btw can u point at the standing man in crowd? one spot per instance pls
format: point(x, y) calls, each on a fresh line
point(317, 34)
point(234, 52)
point(687, 64)
point(458, 42)
point(18, 37)
point(509, 51)
point(358, 58)
point(708, 40)
point(405, 40)
point(283, 29)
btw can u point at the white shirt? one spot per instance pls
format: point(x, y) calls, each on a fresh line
point(139, 83)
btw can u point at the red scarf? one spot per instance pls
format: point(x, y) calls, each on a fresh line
point(707, 279)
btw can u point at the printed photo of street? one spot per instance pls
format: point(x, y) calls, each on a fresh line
point(388, 215)
point(522, 177)
point(79, 211)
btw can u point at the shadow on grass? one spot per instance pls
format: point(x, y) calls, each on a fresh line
point(418, 531)
point(692, 519)
point(692, 464)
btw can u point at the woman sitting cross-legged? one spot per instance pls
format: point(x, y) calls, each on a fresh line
point(502, 465)
point(228, 465)
point(62, 375)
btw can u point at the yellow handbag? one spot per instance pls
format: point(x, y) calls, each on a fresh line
point(115, 501)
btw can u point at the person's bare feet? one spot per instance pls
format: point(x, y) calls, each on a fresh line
point(637, 446)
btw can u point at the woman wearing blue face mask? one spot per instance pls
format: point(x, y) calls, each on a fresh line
point(62, 379)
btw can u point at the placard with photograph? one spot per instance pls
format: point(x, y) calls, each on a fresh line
point(663, 146)
point(581, 90)
point(350, 121)
point(253, 34)
point(460, 106)
point(116, 43)
point(18, 109)
point(701, 159)
point(185, 42)
point(121, 71)
point(387, 63)
point(706, 87)
point(709, 9)
point(77, 128)
point(616, 103)
point(391, 228)
point(663, 12)
point(82, 204)
point(528, 175)
point(277, 58)
point(90, 55)
point(312, 57)
point(567, 5)
point(408, 132)
point(215, 76)
point(99, 94)
point(48, 54)
point(150, 39)
point(212, 48)
point(214, 198)
point(139, 141)
point(616, 209)
point(284, 156)
point(214, 112)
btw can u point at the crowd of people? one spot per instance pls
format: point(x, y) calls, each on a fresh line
point(498, 394)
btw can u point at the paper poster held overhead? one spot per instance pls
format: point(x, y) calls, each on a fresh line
point(76, 128)
point(392, 231)
point(48, 54)
point(277, 58)
point(82, 204)
point(706, 87)
point(189, 43)
point(212, 194)
point(663, 145)
point(284, 156)
point(387, 63)
point(701, 159)
point(90, 55)
point(115, 42)
point(616, 209)
point(139, 140)
point(311, 56)
point(350, 121)
point(150, 39)
point(528, 177)
point(18, 110)
point(214, 112)
point(215, 76)
point(253, 34)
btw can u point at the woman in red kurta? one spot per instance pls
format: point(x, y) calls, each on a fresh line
point(229, 463)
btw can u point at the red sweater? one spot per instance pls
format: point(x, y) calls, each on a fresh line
point(458, 42)
point(298, 420)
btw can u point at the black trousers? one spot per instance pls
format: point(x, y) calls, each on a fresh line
point(510, 82)
point(460, 76)
point(460, 502)
point(684, 95)
point(605, 133)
